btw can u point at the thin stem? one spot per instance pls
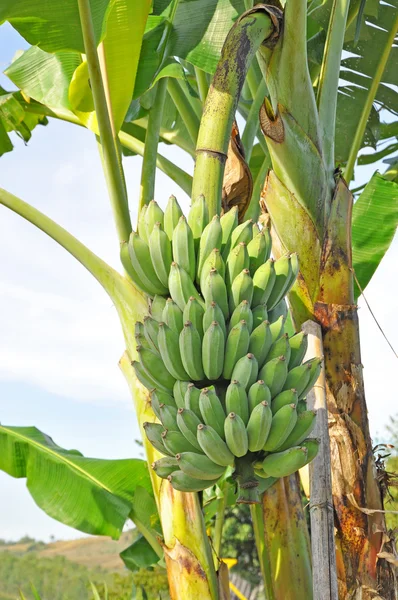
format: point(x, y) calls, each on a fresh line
point(252, 82)
point(253, 210)
point(203, 86)
point(356, 144)
point(256, 511)
point(252, 120)
point(112, 167)
point(219, 523)
point(171, 136)
point(184, 108)
point(148, 171)
point(181, 177)
point(329, 78)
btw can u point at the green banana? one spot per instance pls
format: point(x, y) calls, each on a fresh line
point(213, 351)
point(283, 272)
point(259, 250)
point(256, 229)
point(263, 282)
point(169, 348)
point(214, 313)
point(294, 262)
point(154, 431)
point(305, 424)
point(237, 346)
point(212, 410)
point(283, 398)
point(172, 215)
point(213, 261)
point(149, 382)
point(280, 347)
point(229, 221)
point(236, 400)
point(259, 426)
point(184, 248)
point(128, 267)
point(280, 310)
point(198, 218)
point(298, 378)
point(153, 214)
point(236, 435)
point(282, 425)
point(173, 316)
point(168, 417)
point(298, 348)
point(183, 483)
point(242, 233)
point(214, 446)
point(241, 289)
point(176, 443)
point(315, 369)
point(179, 391)
point(194, 312)
point(277, 328)
point(258, 393)
point(274, 373)
point(165, 466)
point(312, 445)
point(158, 398)
point(211, 238)
point(141, 227)
point(237, 260)
point(142, 268)
point(191, 400)
point(198, 466)
point(191, 352)
point(261, 342)
point(181, 286)
point(140, 338)
point(215, 291)
point(157, 307)
point(283, 464)
point(242, 313)
point(151, 331)
point(154, 367)
point(260, 314)
point(188, 423)
point(246, 370)
point(160, 251)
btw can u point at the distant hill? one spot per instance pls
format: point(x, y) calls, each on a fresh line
point(93, 552)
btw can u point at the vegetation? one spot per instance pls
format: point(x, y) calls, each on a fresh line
point(139, 73)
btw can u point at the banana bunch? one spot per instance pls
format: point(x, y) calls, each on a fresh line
point(227, 384)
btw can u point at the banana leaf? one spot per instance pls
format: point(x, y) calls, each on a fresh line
point(90, 494)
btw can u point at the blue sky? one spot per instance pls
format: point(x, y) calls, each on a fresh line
point(60, 337)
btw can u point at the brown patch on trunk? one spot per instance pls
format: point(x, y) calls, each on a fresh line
point(271, 123)
point(223, 582)
point(238, 181)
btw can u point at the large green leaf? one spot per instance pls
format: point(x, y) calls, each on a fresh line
point(14, 118)
point(139, 555)
point(53, 25)
point(92, 495)
point(45, 77)
point(120, 51)
point(374, 222)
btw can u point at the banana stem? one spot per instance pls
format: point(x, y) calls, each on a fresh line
point(251, 126)
point(148, 171)
point(253, 210)
point(329, 79)
point(203, 86)
point(242, 42)
point(262, 550)
point(112, 165)
point(248, 484)
point(184, 108)
point(219, 523)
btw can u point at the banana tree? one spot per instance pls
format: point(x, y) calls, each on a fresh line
point(307, 200)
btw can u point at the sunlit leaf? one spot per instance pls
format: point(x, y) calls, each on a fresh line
point(92, 495)
point(374, 222)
